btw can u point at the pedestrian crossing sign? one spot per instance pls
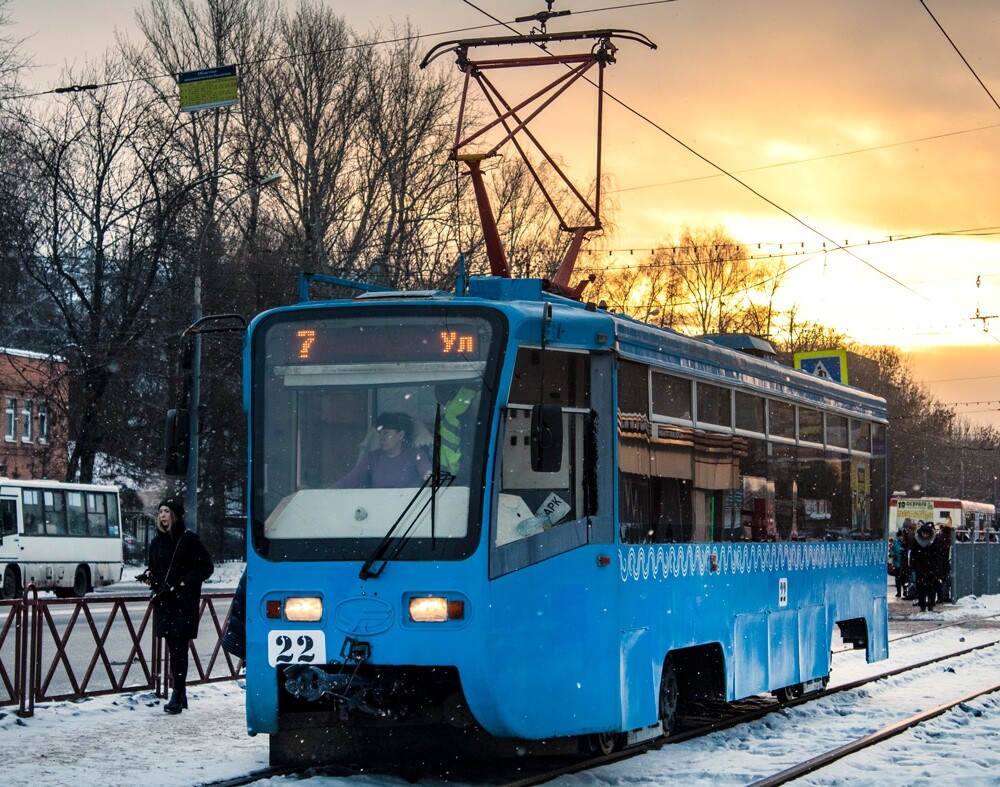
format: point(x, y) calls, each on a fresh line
point(828, 364)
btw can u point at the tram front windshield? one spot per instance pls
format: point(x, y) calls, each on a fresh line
point(347, 407)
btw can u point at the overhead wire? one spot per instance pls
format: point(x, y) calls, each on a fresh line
point(812, 159)
point(954, 46)
point(720, 171)
point(649, 121)
point(313, 53)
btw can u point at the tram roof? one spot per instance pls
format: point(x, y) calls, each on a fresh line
point(670, 351)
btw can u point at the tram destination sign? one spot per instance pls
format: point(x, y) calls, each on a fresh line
point(828, 364)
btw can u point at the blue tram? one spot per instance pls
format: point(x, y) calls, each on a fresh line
point(591, 520)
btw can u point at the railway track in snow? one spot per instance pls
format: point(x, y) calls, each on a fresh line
point(748, 712)
point(697, 721)
point(872, 739)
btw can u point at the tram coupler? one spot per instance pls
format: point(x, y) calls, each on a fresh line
point(355, 650)
point(312, 684)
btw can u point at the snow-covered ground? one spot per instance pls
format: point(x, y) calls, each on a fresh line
point(128, 740)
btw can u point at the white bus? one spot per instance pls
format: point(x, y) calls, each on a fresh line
point(972, 521)
point(58, 536)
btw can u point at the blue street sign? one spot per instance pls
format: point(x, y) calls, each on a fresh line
point(828, 364)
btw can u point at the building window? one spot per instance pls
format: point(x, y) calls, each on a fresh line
point(10, 422)
point(43, 422)
point(27, 412)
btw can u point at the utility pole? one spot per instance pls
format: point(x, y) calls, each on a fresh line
point(194, 403)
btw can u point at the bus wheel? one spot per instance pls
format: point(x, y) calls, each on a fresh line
point(81, 581)
point(669, 697)
point(11, 583)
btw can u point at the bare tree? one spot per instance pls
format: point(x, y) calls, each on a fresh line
point(805, 336)
point(407, 183)
point(12, 57)
point(219, 158)
point(648, 292)
point(717, 279)
point(88, 247)
point(314, 98)
point(704, 284)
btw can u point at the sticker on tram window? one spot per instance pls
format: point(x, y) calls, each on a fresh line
point(296, 647)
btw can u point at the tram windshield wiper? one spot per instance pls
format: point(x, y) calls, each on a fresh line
point(410, 515)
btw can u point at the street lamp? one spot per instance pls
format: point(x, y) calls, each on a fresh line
point(194, 403)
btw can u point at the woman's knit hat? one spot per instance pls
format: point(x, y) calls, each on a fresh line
point(175, 504)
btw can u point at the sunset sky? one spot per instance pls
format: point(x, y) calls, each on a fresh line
point(855, 121)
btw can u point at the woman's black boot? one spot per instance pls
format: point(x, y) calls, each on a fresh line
point(178, 700)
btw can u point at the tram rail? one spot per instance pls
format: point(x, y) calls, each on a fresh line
point(883, 734)
point(740, 712)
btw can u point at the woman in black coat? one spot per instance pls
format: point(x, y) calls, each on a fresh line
point(178, 564)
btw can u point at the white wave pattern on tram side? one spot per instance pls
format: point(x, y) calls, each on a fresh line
point(681, 560)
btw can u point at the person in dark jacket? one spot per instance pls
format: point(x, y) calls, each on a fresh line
point(178, 564)
point(925, 560)
point(234, 638)
point(942, 543)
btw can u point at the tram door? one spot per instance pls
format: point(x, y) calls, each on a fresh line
point(550, 595)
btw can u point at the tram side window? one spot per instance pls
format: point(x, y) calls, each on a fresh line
point(655, 461)
point(551, 377)
point(755, 495)
point(714, 405)
point(784, 471)
point(780, 419)
point(750, 412)
point(671, 395)
point(810, 425)
point(533, 502)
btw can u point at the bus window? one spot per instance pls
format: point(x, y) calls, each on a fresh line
point(55, 513)
point(97, 514)
point(77, 514)
point(111, 503)
point(34, 518)
point(8, 517)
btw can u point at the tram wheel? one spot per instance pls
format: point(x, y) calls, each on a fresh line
point(789, 693)
point(669, 697)
point(603, 743)
point(11, 583)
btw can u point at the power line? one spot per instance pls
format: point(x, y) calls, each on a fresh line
point(798, 248)
point(962, 379)
point(959, 51)
point(812, 159)
point(653, 124)
point(314, 53)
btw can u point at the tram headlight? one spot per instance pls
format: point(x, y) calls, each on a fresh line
point(303, 609)
point(436, 609)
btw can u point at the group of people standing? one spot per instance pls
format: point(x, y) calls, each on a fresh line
point(921, 556)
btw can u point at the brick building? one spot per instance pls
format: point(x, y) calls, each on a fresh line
point(34, 393)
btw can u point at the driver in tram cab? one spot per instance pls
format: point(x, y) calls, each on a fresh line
point(395, 463)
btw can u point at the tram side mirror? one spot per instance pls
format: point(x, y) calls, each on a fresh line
point(176, 442)
point(546, 438)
